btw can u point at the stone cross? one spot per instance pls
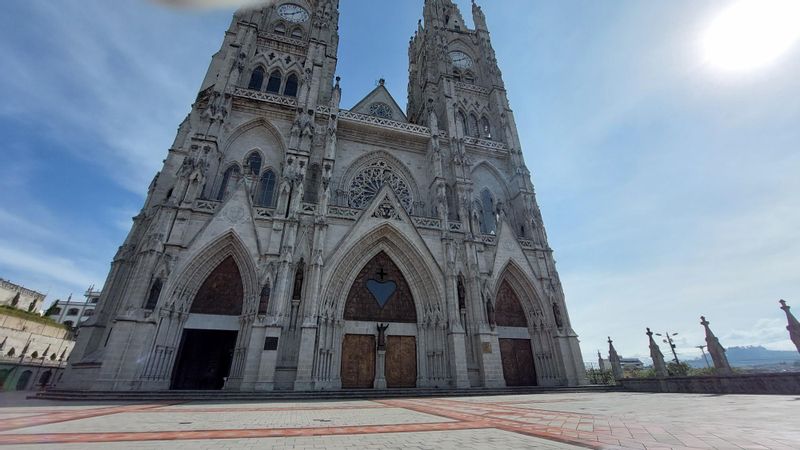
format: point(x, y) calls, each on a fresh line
point(616, 365)
point(715, 349)
point(794, 325)
point(658, 358)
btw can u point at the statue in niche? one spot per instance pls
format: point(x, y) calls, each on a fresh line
point(382, 336)
point(557, 315)
point(490, 315)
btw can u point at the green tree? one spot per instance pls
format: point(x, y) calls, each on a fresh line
point(675, 369)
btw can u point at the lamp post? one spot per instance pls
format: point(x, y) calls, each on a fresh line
point(702, 349)
point(671, 343)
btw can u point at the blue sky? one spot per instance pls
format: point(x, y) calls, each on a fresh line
point(669, 190)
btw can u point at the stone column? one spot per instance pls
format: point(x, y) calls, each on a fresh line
point(794, 325)
point(716, 350)
point(657, 356)
point(380, 365)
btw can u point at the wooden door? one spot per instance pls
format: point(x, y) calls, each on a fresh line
point(517, 356)
point(358, 361)
point(401, 362)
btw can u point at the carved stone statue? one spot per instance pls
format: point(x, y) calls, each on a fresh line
point(557, 315)
point(658, 358)
point(382, 335)
point(490, 315)
point(715, 349)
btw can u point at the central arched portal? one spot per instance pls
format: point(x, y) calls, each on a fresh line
point(380, 329)
point(209, 338)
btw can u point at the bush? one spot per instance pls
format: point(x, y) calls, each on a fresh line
point(678, 369)
point(597, 376)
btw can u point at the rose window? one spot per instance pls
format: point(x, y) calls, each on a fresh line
point(366, 184)
point(381, 110)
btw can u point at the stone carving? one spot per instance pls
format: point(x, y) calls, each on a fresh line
point(715, 349)
point(794, 325)
point(613, 358)
point(658, 358)
point(382, 335)
point(386, 210)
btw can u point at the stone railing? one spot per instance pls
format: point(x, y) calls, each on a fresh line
point(285, 40)
point(427, 222)
point(527, 244)
point(472, 88)
point(489, 239)
point(263, 213)
point(265, 97)
point(343, 212)
point(385, 123)
point(456, 227)
point(206, 205)
point(492, 145)
point(308, 208)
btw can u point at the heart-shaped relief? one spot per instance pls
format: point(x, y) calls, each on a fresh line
point(381, 290)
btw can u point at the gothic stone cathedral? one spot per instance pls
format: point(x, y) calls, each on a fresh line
point(289, 243)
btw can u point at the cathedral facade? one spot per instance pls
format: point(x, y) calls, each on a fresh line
point(291, 244)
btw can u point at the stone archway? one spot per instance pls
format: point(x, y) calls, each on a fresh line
point(380, 297)
point(525, 331)
point(206, 352)
point(426, 292)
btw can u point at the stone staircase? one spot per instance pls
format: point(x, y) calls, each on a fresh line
point(355, 394)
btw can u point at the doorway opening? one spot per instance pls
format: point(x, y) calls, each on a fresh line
point(204, 359)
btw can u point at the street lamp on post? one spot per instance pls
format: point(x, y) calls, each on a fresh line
point(702, 349)
point(671, 343)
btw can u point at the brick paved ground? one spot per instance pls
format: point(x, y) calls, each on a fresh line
point(548, 421)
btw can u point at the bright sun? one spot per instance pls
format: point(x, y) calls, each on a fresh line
point(751, 34)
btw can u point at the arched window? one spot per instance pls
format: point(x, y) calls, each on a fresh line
point(155, 292)
point(486, 128)
point(265, 196)
point(254, 163)
point(232, 174)
point(72, 312)
point(11, 352)
point(474, 131)
point(69, 323)
point(280, 29)
point(256, 79)
point(35, 355)
point(290, 90)
point(462, 121)
point(462, 297)
point(489, 222)
point(311, 193)
point(88, 313)
point(56, 311)
point(297, 33)
point(274, 83)
point(452, 205)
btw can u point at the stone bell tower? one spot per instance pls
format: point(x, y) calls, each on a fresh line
point(456, 86)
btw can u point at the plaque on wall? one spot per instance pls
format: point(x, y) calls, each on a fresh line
point(487, 347)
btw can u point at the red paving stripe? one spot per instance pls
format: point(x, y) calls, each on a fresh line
point(67, 438)
point(223, 410)
point(66, 416)
point(440, 408)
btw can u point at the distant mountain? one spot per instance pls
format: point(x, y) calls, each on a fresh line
point(752, 356)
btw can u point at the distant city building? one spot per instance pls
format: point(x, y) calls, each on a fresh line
point(33, 351)
point(631, 363)
point(19, 297)
point(73, 313)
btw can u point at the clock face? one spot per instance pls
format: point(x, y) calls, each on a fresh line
point(461, 60)
point(293, 13)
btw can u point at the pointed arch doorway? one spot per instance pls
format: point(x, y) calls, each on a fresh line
point(209, 338)
point(516, 352)
point(379, 296)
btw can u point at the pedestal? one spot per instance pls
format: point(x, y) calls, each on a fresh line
point(380, 364)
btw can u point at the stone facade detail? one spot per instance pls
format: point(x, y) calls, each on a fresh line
point(281, 228)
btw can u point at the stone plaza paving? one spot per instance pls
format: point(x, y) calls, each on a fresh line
point(547, 421)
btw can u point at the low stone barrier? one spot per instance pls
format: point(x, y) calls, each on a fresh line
point(767, 383)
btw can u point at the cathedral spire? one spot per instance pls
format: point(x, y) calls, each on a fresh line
point(478, 17)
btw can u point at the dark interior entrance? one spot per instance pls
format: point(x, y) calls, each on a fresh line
point(204, 359)
point(358, 361)
point(401, 362)
point(518, 369)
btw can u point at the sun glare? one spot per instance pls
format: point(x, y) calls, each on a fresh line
point(751, 34)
